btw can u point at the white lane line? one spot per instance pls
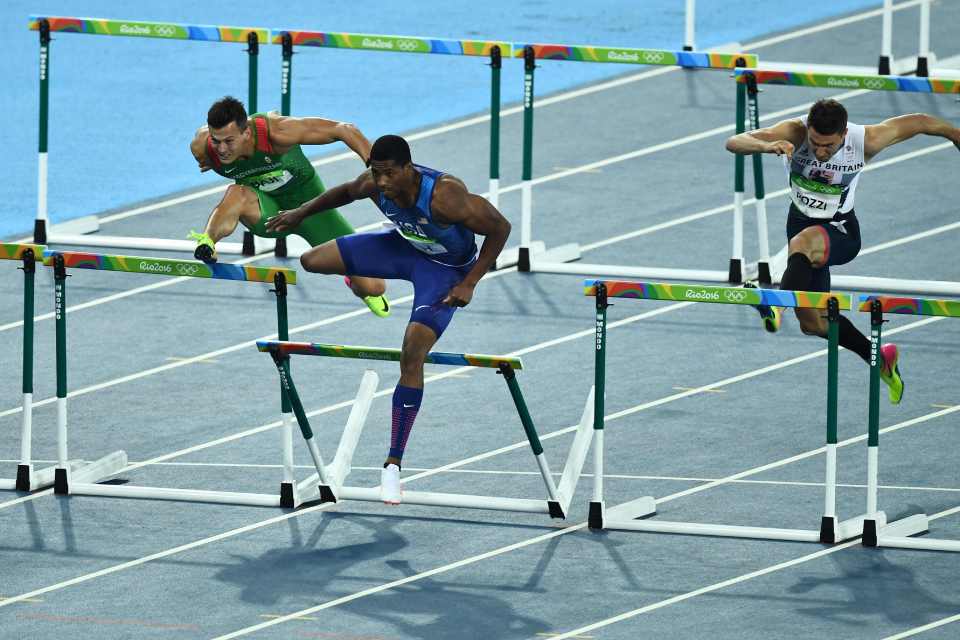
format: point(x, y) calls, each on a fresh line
point(359, 312)
point(909, 633)
point(776, 194)
point(281, 518)
point(624, 616)
point(382, 393)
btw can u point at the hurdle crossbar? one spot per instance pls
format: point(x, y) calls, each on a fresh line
point(332, 477)
point(878, 532)
point(625, 516)
point(79, 231)
point(532, 255)
point(69, 481)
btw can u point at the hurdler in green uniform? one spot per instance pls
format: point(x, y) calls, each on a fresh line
point(262, 155)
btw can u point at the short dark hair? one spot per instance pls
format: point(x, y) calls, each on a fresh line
point(226, 110)
point(827, 117)
point(390, 147)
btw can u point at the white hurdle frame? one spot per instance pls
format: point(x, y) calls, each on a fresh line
point(332, 477)
point(625, 516)
point(68, 481)
point(877, 532)
point(532, 256)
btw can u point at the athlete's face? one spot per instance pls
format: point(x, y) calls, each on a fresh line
point(394, 180)
point(229, 141)
point(824, 147)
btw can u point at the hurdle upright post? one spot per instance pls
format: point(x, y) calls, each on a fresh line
point(886, 42)
point(870, 525)
point(287, 495)
point(253, 52)
point(735, 273)
point(286, 80)
point(923, 54)
point(496, 62)
point(526, 187)
point(828, 523)
point(25, 468)
point(40, 224)
point(595, 513)
point(689, 25)
point(753, 115)
point(61, 475)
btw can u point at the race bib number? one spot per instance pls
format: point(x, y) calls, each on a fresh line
point(271, 181)
point(422, 243)
point(815, 199)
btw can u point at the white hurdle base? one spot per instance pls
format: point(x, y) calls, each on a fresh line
point(610, 270)
point(184, 495)
point(623, 517)
point(460, 500)
point(778, 264)
point(84, 232)
point(898, 535)
point(538, 252)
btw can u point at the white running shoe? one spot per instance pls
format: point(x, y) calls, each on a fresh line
point(390, 484)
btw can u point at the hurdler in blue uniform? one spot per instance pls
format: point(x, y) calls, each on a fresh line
point(431, 245)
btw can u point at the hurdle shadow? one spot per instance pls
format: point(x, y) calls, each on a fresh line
point(432, 609)
point(878, 588)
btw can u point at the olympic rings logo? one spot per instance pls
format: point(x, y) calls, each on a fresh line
point(407, 45)
point(165, 30)
point(874, 83)
point(187, 269)
point(653, 56)
point(735, 296)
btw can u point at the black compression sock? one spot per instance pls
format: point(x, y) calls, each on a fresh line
point(852, 340)
point(798, 274)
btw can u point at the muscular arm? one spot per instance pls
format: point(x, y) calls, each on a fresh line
point(198, 147)
point(287, 131)
point(453, 204)
point(769, 139)
point(338, 196)
point(878, 137)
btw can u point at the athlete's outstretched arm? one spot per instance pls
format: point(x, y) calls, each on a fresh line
point(453, 204)
point(338, 196)
point(878, 137)
point(780, 139)
point(198, 147)
point(286, 131)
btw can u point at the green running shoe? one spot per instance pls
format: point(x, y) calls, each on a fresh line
point(205, 251)
point(378, 305)
point(770, 315)
point(890, 372)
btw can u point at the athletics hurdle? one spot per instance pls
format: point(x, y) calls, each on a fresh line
point(495, 50)
point(876, 531)
point(624, 516)
point(28, 479)
point(332, 477)
point(67, 481)
point(532, 256)
point(751, 78)
point(83, 227)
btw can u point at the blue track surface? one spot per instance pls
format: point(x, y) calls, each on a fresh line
point(123, 110)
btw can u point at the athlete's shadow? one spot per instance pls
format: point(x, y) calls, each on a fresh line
point(877, 588)
point(301, 569)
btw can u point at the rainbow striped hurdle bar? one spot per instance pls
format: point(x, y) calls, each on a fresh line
point(624, 516)
point(331, 477)
point(877, 532)
point(253, 37)
point(67, 482)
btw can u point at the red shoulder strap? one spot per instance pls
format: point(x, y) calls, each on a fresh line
point(263, 136)
point(212, 154)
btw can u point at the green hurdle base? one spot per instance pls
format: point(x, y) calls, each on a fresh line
point(329, 479)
